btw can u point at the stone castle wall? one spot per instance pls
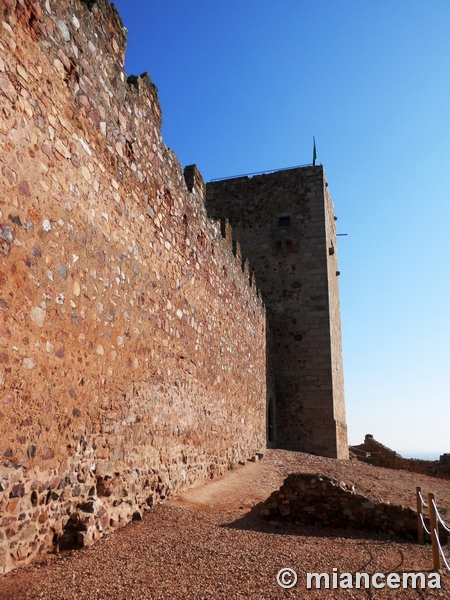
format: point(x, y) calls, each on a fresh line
point(132, 346)
point(382, 456)
point(285, 224)
point(334, 307)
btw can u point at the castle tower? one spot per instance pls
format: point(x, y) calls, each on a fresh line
point(285, 224)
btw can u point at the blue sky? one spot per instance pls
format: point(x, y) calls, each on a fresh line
point(244, 85)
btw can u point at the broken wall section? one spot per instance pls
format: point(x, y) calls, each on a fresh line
point(132, 347)
point(382, 456)
point(314, 499)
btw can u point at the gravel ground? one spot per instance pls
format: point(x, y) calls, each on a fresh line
point(195, 549)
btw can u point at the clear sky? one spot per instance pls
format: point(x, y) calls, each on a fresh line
point(245, 84)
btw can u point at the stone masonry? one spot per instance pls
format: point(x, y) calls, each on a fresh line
point(285, 224)
point(380, 455)
point(132, 341)
point(308, 499)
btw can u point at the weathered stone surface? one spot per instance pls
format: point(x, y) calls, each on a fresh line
point(46, 225)
point(29, 362)
point(24, 188)
point(380, 455)
point(37, 315)
point(284, 223)
point(65, 33)
point(6, 233)
point(110, 398)
point(17, 491)
point(313, 498)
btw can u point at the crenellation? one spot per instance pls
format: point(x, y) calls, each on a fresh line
point(142, 340)
point(117, 357)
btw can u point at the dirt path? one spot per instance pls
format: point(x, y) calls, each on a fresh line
point(239, 489)
point(245, 486)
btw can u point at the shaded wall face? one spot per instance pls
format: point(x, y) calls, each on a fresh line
point(282, 223)
point(132, 349)
point(337, 367)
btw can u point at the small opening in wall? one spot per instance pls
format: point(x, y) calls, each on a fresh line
point(284, 221)
point(270, 422)
point(278, 248)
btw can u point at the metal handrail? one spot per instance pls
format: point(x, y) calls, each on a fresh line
point(262, 172)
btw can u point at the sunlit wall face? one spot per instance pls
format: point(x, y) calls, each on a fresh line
point(245, 87)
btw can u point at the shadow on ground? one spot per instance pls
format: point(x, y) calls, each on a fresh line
point(252, 521)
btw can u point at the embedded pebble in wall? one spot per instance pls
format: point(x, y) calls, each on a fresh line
point(6, 233)
point(64, 30)
point(85, 146)
point(15, 219)
point(62, 270)
point(37, 315)
point(46, 225)
point(29, 362)
point(31, 451)
point(24, 189)
point(75, 22)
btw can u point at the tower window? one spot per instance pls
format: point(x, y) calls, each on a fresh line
point(284, 221)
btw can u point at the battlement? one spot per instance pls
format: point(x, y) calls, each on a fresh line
point(137, 356)
point(133, 342)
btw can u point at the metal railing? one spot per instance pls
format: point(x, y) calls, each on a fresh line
point(262, 172)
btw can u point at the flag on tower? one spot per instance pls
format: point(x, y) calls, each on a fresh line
point(314, 152)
